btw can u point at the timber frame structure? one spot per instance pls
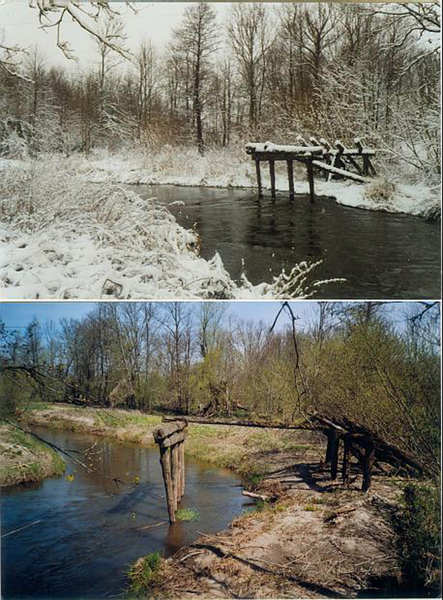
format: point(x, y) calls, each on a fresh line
point(319, 155)
point(367, 447)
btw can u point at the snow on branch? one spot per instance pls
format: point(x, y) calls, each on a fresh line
point(85, 14)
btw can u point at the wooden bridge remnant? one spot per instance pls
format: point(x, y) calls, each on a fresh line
point(171, 440)
point(337, 161)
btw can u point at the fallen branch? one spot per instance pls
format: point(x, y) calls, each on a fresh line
point(260, 496)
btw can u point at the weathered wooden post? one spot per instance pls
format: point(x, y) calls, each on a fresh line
point(334, 457)
point(291, 178)
point(258, 173)
point(171, 438)
point(311, 178)
point(346, 457)
point(368, 465)
point(272, 174)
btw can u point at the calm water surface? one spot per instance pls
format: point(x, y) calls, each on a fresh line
point(380, 255)
point(91, 528)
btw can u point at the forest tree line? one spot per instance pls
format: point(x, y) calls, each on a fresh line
point(350, 362)
point(332, 70)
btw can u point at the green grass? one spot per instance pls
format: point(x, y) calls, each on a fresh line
point(187, 514)
point(45, 461)
point(143, 574)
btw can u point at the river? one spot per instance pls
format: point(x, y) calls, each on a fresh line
point(89, 529)
point(381, 255)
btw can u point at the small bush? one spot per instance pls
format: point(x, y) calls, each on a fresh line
point(418, 525)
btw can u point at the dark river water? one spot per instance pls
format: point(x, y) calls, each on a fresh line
point(380, 255)
point(90, 528)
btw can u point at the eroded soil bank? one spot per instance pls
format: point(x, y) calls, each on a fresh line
point(24, 458)
point(313, 539)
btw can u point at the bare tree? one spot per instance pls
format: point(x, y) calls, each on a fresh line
point(197, 37)
point(251, 37)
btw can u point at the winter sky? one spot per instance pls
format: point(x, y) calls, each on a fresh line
point(19, 25)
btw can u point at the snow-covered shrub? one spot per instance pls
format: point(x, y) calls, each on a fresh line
point(64, 237)
point(381, 191)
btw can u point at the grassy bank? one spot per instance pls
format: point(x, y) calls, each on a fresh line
point(248, 451)
point(25, 459)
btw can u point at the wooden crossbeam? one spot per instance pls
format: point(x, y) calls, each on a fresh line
point(335, 170)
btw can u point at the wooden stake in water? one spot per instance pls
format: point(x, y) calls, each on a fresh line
point(171, 438)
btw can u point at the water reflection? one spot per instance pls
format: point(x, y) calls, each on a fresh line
point(380, 255)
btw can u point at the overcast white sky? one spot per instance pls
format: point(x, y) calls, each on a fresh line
point(19, 25)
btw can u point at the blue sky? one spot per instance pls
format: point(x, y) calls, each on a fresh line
point(20, 314)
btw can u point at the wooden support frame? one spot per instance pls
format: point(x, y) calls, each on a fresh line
point(333, 162)
point(171, 439)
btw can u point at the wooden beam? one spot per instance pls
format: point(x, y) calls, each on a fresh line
point(331, 169)
point(173, 439)
point(242, 423)
point(164, 431)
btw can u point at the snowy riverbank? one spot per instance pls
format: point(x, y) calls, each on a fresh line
point(233, 169)
point(62, 236)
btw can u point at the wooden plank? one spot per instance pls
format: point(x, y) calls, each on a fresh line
point(290, 177)
point(165, 461)
point(173, 439)
point(272, 174)
point(325, 167)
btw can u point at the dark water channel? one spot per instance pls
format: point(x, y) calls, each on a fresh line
point(91, 529)
point(381, 255)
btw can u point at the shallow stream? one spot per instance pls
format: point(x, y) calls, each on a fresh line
point(90, 528)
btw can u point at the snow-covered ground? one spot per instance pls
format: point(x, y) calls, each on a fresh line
point(226, 168)
point(62, 236)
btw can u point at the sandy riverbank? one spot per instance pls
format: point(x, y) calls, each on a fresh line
point(314, 539)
